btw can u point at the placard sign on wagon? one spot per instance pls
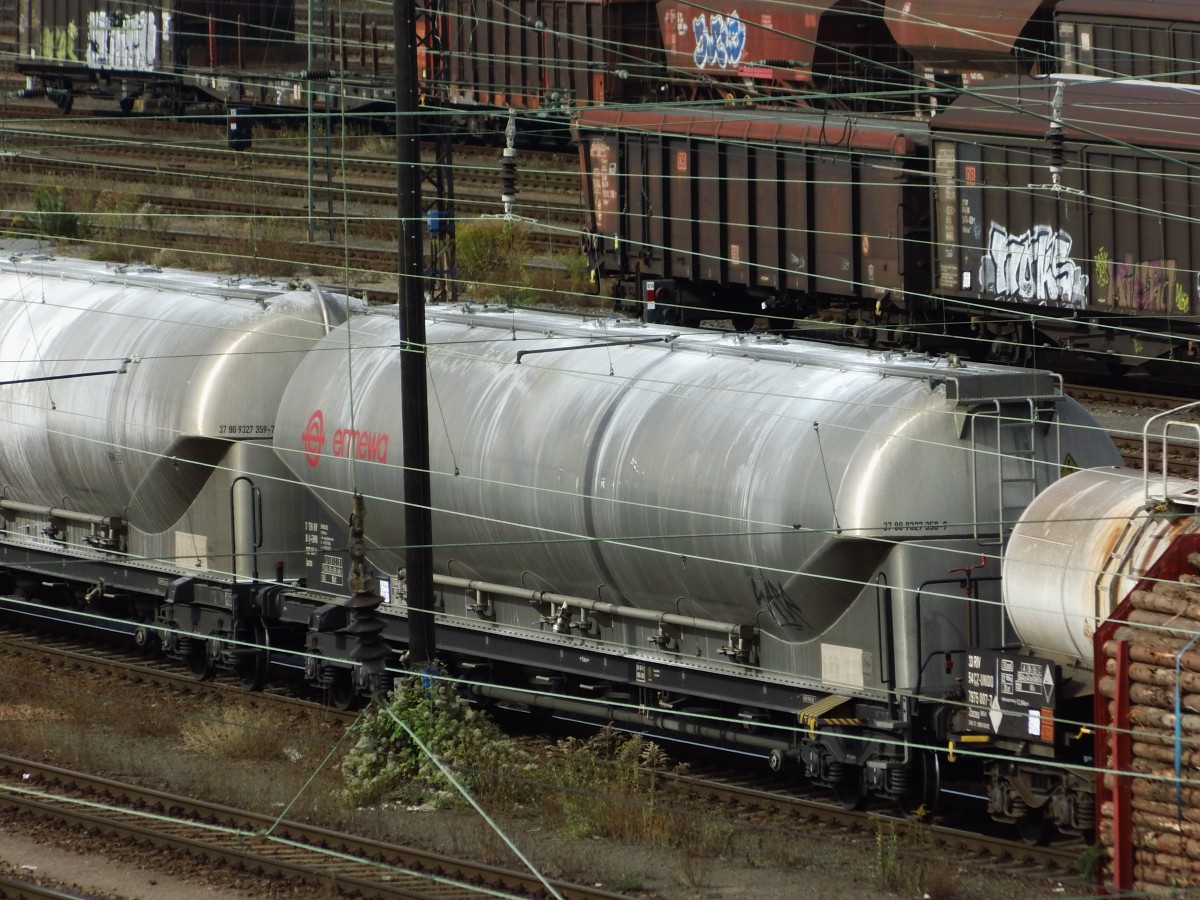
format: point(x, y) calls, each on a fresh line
point(1011, 696)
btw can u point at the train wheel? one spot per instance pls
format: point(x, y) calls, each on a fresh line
point(1034, 828)
point(146, 641)
point(849, 789)
point(198, 663)
point(254, 665)
point(925, 785)
point(342, 694)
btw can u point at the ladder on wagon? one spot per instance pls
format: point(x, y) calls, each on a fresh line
point(1009, 440)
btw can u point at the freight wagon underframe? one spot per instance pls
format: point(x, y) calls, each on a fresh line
point(858, 745)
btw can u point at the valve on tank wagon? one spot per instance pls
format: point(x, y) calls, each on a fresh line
point(586, 627)
point(667, 638)
point(559, 619)
point(106, 535)
point(55, 529)
point(742, 647)
point(482, 604)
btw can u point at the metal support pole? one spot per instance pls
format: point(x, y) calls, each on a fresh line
point(414, 406)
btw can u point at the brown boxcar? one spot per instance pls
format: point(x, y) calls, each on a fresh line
point(1116, 234)
point(750, 210)
point(1108, 38)
point(551, 54)
point(969, 41)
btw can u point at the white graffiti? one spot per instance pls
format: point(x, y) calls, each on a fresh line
point(118, 40)
point(1034, 266)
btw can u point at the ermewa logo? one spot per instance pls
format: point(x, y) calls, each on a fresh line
point(314, 438)
point(371, 446)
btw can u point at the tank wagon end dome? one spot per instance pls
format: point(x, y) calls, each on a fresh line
point(1060, 575)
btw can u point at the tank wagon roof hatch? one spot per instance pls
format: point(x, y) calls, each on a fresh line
point(964, 381)
point(43, 265)
point(949, 30)
point(1142, 113)
point(843, 132)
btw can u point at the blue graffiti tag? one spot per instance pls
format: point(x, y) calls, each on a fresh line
point(719, 41)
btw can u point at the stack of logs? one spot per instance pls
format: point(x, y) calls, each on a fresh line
point(1162, 622)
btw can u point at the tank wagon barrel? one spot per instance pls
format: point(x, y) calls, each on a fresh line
point(796, 539)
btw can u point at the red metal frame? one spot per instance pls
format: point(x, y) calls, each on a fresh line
point(1112, 738)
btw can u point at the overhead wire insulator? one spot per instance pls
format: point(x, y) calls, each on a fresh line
point(508, 180)
point(508, 165)
point(369, 650)
point(1056, 137)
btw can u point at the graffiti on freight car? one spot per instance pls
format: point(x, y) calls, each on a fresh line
point(1101, 261)
point(59, 43)
point(1146, 286)
point(1035, 266)
point(720, 40)
point(119, 40)
point(773, 597)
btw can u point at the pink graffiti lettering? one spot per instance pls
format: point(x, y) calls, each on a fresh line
point(1148, 285)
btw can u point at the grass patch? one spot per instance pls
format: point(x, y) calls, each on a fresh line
point(55, 214)
point(906, 861)
point(387, 762)
point(238, 732)
point(116, 224)
point(493, 257)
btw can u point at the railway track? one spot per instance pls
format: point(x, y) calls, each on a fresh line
point(338, 863)
point(726, 794)
point(194, 195)
point(127, 664)
point(800, 809)
point(1125, 413)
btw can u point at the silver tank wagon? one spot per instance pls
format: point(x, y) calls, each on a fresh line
point(126, 388)
point(776, 488)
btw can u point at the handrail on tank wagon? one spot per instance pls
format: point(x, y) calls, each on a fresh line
point(1192, 496)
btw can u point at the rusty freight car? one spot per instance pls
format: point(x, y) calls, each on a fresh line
point(1067, 206)
point(1033, 216)
point(832, 54)
point(965, 43)
point(1113, 38)
point(138, 52)
point(164, 56)
point(753, 210)
point(551, 54)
